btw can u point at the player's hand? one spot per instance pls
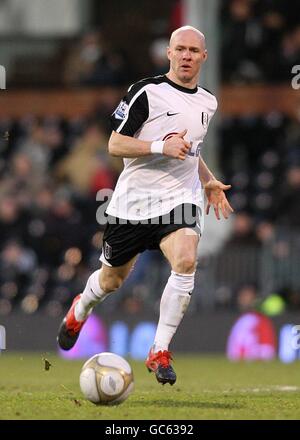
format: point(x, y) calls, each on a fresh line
point(214, 190)
point(176, 146)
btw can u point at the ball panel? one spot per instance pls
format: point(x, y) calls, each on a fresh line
point(124, 396)
point(113, 360)
point(90, 361)
point(128, 378)
point(112, 383)
point(88, 385)
point(103, 374)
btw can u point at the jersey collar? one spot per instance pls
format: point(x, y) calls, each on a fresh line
point(178, 87)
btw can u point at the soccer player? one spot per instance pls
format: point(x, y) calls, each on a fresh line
point(158, 129)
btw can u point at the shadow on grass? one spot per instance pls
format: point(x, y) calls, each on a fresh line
point(169, 403)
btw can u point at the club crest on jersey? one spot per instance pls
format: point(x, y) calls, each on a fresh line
point(121, 110)
point(107, 251)
point(204, 119)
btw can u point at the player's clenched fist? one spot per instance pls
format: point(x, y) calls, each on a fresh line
point(176, 146)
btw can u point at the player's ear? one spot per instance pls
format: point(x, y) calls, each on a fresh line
point(205, 55)
point(169, 53)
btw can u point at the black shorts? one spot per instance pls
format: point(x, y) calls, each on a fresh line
point(124, 239)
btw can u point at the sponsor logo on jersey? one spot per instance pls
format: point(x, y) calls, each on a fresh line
point(204, 119)
point(195, 149)
point(172, 114)
point(121, 110)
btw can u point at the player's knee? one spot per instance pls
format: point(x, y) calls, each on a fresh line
point(185, 264)
point(111, 284)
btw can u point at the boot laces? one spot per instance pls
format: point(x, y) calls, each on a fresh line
point(163, 358)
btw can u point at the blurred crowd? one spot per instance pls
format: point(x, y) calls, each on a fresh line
point(50, 172)
point(93, 62)
point(260, 40)
point(260, 156)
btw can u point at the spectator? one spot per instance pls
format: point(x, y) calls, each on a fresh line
point(92, 63)
point(288, 201)
point(86, 156)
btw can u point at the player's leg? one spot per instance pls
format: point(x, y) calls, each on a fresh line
point(99, 286)
point(122, 242)
point(180, 249)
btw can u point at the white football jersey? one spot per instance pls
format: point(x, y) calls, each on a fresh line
point(153, 110)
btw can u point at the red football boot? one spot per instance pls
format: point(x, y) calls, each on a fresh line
point(70, 328)
point(159, 363)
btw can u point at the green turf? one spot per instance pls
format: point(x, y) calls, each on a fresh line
point(207, 388)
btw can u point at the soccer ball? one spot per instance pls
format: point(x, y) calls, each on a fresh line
point(106, 379)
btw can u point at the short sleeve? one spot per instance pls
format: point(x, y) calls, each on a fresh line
point(131, 112)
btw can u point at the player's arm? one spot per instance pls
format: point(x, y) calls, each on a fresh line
point(205, 175)
point(214, 191)
point(127, 146)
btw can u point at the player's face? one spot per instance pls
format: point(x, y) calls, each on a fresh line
point(186, 54)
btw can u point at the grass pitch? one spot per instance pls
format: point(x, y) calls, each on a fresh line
point(206, 388)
